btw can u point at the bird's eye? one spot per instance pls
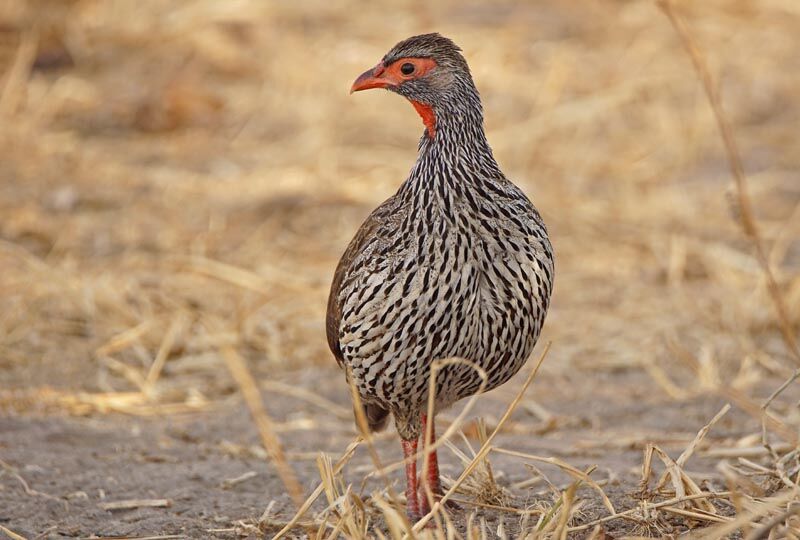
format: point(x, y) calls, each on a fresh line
point(407, 68)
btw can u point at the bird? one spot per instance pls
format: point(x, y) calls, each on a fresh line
point(456, 264)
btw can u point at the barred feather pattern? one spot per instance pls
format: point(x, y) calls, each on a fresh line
point(456, 264)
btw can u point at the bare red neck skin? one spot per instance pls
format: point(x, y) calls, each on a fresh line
point(428, 117)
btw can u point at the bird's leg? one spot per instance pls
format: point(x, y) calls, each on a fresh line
point(412, 503)
point(430, 476)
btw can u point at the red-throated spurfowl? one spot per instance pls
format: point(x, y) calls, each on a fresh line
point(456, 264)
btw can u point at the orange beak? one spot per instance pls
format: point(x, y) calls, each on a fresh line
point(373, 78)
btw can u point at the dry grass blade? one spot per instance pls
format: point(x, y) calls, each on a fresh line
point(453, 428)
point(481, 485)
point(427, 446)
point(682, 483)
point(228, 483)
point(748, 451)
point(769, 506)
point(272, 444)
point(647, 507)
point(244, 278)
point(25, 486)
point(686, 454)
point(737, 170)
point(504, 509)
point(486, 446)
point(309, 396)
point(11, 534)
point(16, 78)
point(567, 502)
point(382, 470)
point(229, 274)
point(697, 515)
point(135, 503)
point(765, 530)
point(163, 352)
point(352, 520)
point(124, 339)
point(395, 521)
point(775, 425)
point(363, 427)
point(567, 468)
point(337, 469)
point(778, 391)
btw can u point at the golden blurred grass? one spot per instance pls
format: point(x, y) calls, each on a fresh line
point(161, 162)
point(179, 178)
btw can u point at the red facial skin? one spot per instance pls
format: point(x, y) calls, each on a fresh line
point(383, 77)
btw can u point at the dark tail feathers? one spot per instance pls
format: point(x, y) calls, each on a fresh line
point(377, 416)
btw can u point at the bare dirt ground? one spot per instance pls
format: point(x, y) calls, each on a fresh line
point(178, 180)
point(77, 464)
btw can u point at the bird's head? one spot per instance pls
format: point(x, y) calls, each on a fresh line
point(429, 71)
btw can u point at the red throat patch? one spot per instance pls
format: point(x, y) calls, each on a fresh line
point(428, 116)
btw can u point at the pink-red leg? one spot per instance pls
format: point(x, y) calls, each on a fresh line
point(430, 476)
point(412, 504)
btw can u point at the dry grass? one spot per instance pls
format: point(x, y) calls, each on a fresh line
point(178, 179)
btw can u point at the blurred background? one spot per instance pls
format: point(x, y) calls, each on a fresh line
point(180, 177)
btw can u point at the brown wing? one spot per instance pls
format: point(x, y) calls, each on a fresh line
point(377, 416)
point(333, 318)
